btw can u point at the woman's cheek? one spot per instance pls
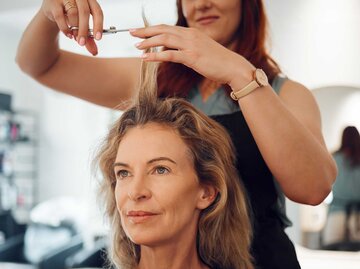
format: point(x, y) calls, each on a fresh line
point(184, 8)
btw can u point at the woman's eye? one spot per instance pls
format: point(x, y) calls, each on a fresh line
point(161, 170)
point(122, 174)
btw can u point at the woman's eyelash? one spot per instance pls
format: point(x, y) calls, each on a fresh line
point(161, 170)
point(122, 173)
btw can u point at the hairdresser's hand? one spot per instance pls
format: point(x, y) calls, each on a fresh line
point(67, 13)
point(191, 47)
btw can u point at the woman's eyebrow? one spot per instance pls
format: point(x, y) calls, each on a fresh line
point(161, 159)
point(120, 164)
point(149, 162)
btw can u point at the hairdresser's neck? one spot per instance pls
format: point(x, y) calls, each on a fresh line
point(178, 255)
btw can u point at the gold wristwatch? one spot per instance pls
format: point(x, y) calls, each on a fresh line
point(260, 80)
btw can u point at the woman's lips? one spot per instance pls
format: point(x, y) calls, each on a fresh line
point(140, 216)
point(207, 20)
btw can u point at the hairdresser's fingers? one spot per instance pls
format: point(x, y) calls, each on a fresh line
point(84, 15)
point(174, 56)
point(159, 29)
point(194, 49)
point(98, 18)
point(73, 19)
point(190, 40)
point(91, 46)
point(165, 40)
point(54, 11)
point(90, 43)
point(59, 17)
point(72, 16)
point(208, 60)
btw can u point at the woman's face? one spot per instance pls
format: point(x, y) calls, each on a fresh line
point(217, 18)
point(157, 191)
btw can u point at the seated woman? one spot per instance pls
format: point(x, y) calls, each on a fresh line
point(172, 192)
point(346, 190)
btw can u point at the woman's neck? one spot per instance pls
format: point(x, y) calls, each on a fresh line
point(207, 88)
point(176, 256)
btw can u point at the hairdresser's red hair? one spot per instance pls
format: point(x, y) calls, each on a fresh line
point(176, 79)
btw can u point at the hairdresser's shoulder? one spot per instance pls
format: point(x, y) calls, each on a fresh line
point(292, 88)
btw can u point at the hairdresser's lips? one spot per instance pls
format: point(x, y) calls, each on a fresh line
point(137, 217)
point(207, 20)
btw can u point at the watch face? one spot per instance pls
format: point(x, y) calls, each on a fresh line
point(261, 77)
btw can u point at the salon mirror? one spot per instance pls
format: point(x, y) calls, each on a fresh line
point(317, 43)
point(339, 107)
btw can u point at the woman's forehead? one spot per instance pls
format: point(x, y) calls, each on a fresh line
point(153, 139)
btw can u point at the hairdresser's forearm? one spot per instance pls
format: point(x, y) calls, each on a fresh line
point(38, 49)
point(300, 163)
point(292, 147)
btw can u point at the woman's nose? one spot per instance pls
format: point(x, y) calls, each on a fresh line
point(203, 4)
point(138, 189)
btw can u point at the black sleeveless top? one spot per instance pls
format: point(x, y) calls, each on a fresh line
point(271, 248)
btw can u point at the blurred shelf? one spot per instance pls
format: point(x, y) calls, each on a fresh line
point(18, 162)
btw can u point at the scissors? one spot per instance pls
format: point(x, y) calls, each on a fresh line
point(111, 30)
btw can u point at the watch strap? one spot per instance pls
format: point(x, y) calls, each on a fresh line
point(245, 91)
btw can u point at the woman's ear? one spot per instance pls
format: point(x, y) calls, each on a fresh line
point(207, 196)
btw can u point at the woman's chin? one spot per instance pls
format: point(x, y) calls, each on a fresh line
point(144, 240)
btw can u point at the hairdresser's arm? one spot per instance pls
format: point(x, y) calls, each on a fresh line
point(105, 82)
point(287, 129)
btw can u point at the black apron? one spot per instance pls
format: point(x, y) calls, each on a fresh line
point(271, 247)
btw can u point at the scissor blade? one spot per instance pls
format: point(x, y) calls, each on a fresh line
point(111, 30)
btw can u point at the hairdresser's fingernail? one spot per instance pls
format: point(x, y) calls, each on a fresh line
point(82, 41)
point(138, 45)
point(144, 56)
point(98, 36)
point(132, 30)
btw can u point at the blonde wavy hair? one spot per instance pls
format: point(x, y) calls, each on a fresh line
point(224, 230)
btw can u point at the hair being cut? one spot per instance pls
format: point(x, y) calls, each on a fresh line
point(224, 230)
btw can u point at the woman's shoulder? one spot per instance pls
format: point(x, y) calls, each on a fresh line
point(288, 84)
point(288, 88)
point(346, 170)
point(339, 158)
point(338, 154)
point(297, 95)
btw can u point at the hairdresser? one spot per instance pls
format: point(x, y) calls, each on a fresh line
point(216, 58)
